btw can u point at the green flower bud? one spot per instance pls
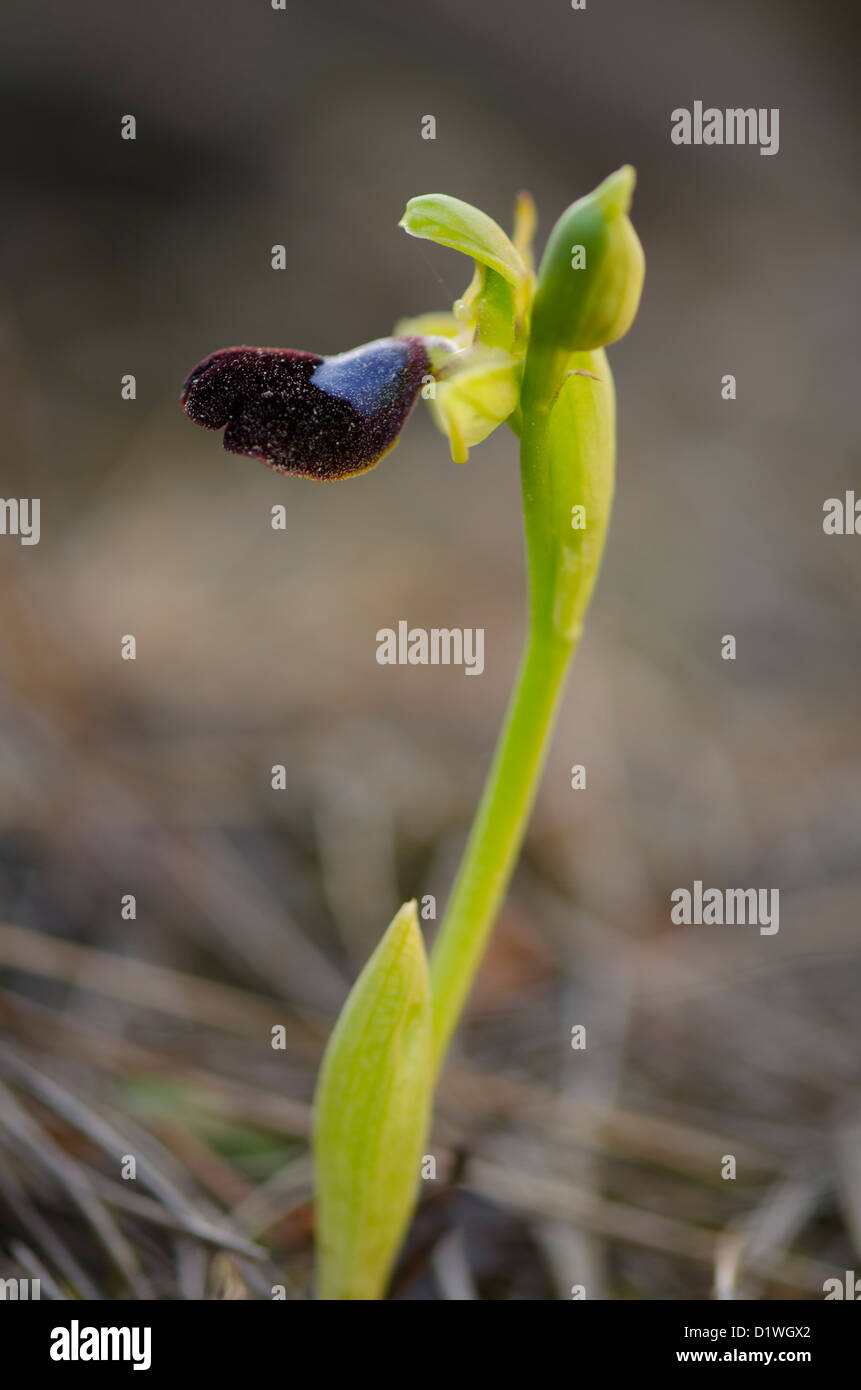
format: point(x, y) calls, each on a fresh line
point(591, 275)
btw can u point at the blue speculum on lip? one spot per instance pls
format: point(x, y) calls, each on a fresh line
point(316, 417)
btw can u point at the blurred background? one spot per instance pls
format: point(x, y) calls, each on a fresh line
point(254, 908)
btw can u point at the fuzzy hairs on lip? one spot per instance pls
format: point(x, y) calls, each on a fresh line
point(312, 416)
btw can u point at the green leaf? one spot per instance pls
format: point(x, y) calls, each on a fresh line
point(371, 1116)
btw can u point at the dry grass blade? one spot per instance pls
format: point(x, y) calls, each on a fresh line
point(546, 1197)
point(274, 1199)
point(31, 1139)
point(87, 1122)
point(253, 930)
point(116, 1195)
point(35, 1268)
point(148, 986)
point(680, 1147)
point(18, 1200)
point(191, 1267)
point(85, 1042)
point(451, 1269)
point(759, 1242)
point(226, 1282)
point(847, 1146)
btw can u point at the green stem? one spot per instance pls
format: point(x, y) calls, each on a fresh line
point(503, 813)
point(497, 832)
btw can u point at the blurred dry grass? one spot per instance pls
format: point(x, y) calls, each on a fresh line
point(254, 908)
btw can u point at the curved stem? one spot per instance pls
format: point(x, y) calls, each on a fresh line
point(503, 813)
point(498, 830)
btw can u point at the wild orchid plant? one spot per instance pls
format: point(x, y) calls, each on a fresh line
point(520, 348)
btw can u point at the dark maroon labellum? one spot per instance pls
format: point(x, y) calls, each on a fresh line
point(318, 417)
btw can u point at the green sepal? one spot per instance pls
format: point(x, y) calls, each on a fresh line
point(450, 222)
point(492, 311)
point(371, 1116)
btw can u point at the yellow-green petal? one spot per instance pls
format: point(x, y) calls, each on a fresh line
point(470, 403)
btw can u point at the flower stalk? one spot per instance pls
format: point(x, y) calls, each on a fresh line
point(563, 563)
point(497, 832)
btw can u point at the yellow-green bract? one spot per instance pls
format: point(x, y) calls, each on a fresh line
point(580, 458)
point(371, 1116)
